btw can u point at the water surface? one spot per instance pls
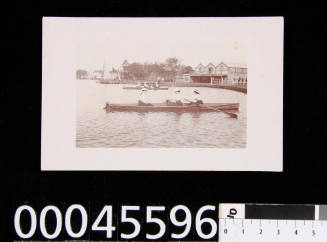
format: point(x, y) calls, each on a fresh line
point(97, 128)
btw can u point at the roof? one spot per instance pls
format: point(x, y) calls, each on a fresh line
point(125, 63)
point(237, 65)
point(228, 64)
point(210, 64)
point(199, 65)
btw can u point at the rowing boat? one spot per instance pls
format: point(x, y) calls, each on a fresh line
point(163, 107)
point(139, 88)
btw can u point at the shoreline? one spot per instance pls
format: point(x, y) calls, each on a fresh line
point(238, 88)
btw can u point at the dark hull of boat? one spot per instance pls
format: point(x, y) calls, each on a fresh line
point(139, 88)
point(209, 107)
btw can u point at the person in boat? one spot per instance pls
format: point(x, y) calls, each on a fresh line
point(146, 85)
point(176, 98)
point(142, 101)
point(157, 85)
point(196, 99)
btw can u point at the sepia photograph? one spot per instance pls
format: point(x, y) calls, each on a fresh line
point(155, 92)
point(162, 85)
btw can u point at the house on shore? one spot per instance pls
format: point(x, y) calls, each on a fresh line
point(221, 74)
point(97, 75)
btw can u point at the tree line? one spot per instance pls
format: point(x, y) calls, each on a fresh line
point(167, 70)
point(152, 71)
point(81, 74)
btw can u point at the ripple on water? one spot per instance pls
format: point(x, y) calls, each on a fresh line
point(96, 128)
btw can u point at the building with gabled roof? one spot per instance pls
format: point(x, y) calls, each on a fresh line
point(125, 63)
point(235, 65)
point(124, 72)
point(210, 68)
point(200, 68)
point(221, 74)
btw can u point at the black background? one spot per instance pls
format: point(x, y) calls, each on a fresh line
point(305, 126)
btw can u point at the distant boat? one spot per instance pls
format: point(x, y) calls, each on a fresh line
point(108, 81)
point(140, 87)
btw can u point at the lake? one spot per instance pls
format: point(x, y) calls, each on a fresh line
point(99, 129)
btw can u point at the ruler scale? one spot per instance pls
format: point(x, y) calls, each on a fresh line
point(262, 222)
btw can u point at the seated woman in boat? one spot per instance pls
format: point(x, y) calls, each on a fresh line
point(138, 85)
point(146, 85)
point(196, 99)
point(142, 101)
point(176, 98)
point(157, 85)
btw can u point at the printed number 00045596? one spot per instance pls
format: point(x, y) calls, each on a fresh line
point(106, 215)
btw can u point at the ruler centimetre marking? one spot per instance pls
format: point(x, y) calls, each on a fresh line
point(272, 222)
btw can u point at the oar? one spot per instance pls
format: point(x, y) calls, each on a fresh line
point(232, 115)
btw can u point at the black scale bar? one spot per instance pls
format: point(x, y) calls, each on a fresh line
point(295, 212)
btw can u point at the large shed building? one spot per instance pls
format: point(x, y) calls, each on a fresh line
point(221, 74)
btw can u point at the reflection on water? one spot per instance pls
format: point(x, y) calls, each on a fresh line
point(97, 128)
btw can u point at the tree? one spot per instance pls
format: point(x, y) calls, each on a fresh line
point(172, 62)
point(187, 69)
point(81, 74)
point(152, 77)
point(173, 67)
point(152, 71)
point(136, 70)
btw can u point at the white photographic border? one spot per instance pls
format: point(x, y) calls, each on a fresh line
point(264, 149)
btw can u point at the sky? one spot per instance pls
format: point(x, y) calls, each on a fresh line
point(191, 40)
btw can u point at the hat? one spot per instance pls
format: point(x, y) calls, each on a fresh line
point(177, 90)
point(196, 91)
point(144, 89)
